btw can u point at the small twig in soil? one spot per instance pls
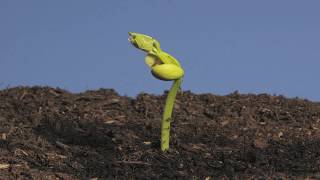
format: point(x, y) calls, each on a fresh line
point(134, 162)
point(61, 145)
point(4, 166)
point(18, 151)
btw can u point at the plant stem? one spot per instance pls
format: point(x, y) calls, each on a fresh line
point(166, 119)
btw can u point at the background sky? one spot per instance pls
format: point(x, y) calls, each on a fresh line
point(251, 46)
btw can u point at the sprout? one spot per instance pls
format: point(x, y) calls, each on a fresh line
point(164, 67)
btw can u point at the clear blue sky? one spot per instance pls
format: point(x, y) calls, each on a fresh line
point(251, 46)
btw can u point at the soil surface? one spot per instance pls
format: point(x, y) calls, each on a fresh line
point(48, 133)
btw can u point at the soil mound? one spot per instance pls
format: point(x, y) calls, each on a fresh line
point(48, 133)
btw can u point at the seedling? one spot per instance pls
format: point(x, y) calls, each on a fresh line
point(164, 67)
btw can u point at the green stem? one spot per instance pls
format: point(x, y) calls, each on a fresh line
point(166, 119)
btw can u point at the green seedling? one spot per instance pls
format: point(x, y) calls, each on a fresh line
point(164, 67)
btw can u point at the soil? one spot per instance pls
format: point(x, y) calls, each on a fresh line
point(48, 133)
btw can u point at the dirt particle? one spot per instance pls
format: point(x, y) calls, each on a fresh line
point(260, 143)
point(147, 142)
point(3, 136)
point(280, 134)
point(225, 122)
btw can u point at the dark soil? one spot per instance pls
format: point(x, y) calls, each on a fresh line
point(48, 133)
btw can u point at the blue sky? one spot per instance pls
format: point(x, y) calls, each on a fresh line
point(251, 46)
